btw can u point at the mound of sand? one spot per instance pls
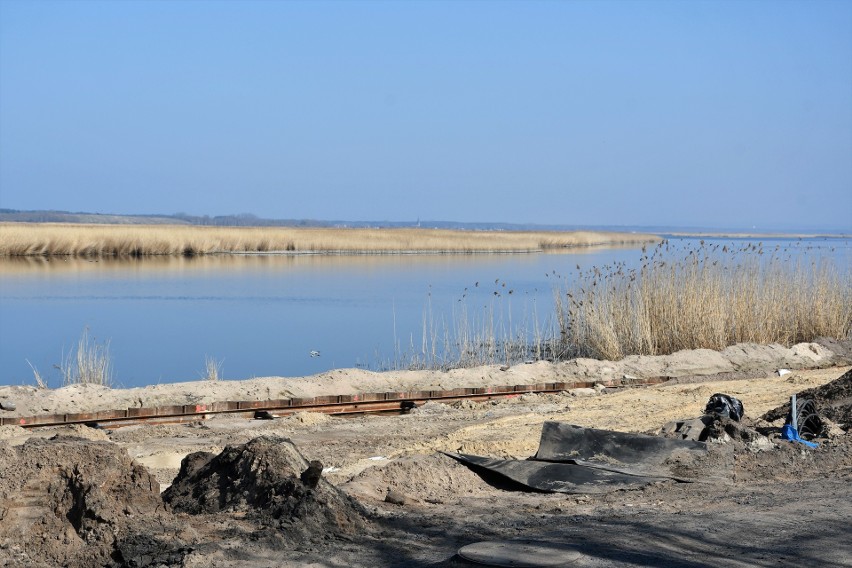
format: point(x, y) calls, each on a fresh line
point(269, 480)
point(434, 478)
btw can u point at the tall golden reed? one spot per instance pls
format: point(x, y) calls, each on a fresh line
point(709, 299)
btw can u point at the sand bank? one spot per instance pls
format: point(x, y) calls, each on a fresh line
point(739, 361)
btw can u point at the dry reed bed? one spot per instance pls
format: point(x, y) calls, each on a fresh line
point(707, 297)
point(35, 239)
point(710, 298)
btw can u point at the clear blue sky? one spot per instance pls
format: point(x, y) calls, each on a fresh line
point(726, 114)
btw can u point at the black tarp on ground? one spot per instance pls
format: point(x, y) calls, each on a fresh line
point(632, 454)
point(556, 477)
point(573, 459)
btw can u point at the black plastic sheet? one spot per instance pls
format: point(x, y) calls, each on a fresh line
point(573, 459)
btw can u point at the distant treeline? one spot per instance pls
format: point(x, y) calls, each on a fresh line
point(241, 220)
point(251, 220)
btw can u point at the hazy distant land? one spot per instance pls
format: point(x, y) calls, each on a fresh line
point(251, 220)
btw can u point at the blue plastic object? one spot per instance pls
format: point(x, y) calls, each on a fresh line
point(790, 433)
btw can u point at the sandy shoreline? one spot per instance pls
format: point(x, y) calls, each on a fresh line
point(739, 361)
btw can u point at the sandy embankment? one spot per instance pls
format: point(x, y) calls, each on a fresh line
point(739, 361)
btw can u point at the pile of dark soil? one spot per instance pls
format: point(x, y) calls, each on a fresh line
point(73, 502)
point(69, 501)
point(833, 401)
point(270, 481)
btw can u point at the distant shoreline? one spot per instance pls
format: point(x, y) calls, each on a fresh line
point(735, 235)
point(247, 220)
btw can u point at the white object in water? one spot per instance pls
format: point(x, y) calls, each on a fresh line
point(315, 353)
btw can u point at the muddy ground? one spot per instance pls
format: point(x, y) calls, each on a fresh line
point(382, 494)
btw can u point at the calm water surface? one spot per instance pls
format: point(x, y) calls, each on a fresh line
point(263, 315)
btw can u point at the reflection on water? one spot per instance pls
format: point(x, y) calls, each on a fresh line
point(154, 265)
point(262, 315)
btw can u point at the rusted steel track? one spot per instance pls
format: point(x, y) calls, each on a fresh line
point(330, 404)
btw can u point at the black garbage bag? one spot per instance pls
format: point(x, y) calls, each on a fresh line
point(725, 405)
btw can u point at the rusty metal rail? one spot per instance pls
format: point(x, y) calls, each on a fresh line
point(329, 404)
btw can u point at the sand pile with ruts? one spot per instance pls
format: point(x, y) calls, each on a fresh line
point(69, 501)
